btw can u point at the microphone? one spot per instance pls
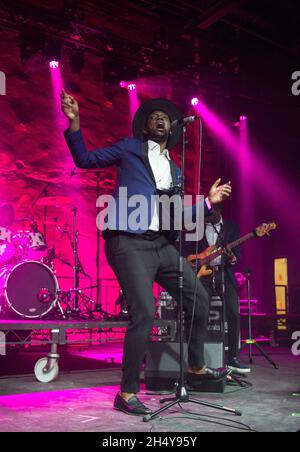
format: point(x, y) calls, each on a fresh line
point(184, 121)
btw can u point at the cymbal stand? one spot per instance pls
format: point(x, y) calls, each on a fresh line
point(98, 306)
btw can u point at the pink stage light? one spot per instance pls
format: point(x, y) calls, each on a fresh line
point(54, 64)
point(243, 118)
point(257, 168)
point(195, 101)
point(131, 87)
point(128, 85)
point(134, 102)
point(57, 85)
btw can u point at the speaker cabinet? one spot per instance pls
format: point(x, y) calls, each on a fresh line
point(162, 365)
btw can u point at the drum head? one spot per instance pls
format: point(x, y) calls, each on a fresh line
point(31, 289)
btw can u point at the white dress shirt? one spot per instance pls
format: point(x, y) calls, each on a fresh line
point(161, 168)
point(160, 164)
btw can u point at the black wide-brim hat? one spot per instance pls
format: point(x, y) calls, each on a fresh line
point(142, 114)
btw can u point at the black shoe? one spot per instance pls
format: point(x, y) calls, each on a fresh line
point(210, 374)
point(133, 406)
point(235, 365)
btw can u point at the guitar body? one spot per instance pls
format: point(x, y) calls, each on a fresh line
point(204, 270)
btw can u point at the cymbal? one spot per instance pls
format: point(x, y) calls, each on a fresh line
point(53, 201)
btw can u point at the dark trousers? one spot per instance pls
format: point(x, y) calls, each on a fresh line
point(232, 310)
point(138, 263)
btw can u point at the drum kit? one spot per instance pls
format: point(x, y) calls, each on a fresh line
point(29, 287)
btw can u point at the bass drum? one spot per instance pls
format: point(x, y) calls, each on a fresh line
point(30, 289)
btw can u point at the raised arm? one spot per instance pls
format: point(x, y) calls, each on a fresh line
point(99, 158)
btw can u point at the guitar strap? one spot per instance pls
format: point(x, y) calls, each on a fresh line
point(221, 236)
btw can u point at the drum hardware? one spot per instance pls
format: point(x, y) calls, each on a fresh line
point(51, 201)
point(77, 302)
point(85, 306)
point(98, 306)
point(123, 308)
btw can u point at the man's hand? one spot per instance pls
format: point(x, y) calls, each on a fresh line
point(69, 106)
point(218, 193)
point(231, 256)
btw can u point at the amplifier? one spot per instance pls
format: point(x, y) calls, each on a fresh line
point(168, 310)
point(162, 365)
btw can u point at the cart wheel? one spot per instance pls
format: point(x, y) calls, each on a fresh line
point(45, 376)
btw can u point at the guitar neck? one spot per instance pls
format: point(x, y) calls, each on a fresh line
point(241, 240)
point(206, 260)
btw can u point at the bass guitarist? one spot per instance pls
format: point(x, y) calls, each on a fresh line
point(221, 232)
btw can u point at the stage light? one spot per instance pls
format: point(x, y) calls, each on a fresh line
point(128, 85)
point(243, 118)
point(195, 101)
point(131, 87)
point(54, 64)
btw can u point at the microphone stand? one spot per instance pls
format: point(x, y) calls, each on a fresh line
point(181, 393)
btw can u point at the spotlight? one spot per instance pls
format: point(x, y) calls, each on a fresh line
point(54, 64)
point(128, 85)
point(243, 118)
point(195, 101)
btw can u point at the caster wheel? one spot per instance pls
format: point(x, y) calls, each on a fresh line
point(41, 375)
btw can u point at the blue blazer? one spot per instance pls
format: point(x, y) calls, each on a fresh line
point(134, 172)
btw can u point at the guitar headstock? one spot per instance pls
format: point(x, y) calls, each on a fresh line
point(264, 229)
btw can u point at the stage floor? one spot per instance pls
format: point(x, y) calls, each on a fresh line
point(82, 400)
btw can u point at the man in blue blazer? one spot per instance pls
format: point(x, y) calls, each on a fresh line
point(144, 255)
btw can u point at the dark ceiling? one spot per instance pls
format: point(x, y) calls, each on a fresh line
point(237, 54)
point(165, 35)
